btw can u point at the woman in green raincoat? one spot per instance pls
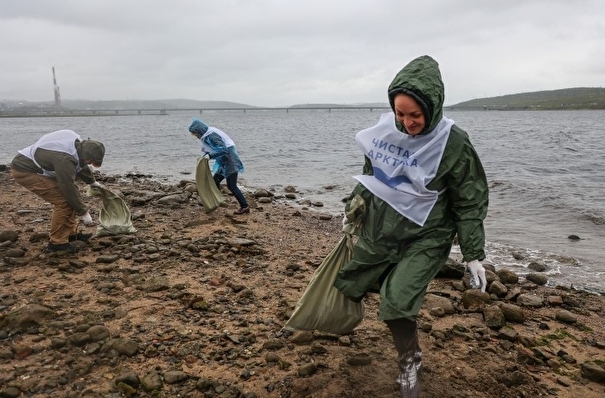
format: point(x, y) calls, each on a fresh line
point(422, 184)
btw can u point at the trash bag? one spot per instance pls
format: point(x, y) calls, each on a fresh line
point(209, 193)
point(355, 216)
point(322, 307)
point(114, 217)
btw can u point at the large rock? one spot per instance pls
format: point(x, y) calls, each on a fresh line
point(9, 235)
point(474, 298)
point(566, 317)
point(452, 269)
point(507, 276)
point(512, 313)
point(497, 288)
point(432, 301)
point(593, 371)
point(530, 300)
point(538, 279)
point(493, 316)
point(26, 317)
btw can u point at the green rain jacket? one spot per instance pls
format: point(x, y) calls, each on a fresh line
point(398, 255)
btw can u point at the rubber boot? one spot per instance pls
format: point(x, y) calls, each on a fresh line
point(409, 356)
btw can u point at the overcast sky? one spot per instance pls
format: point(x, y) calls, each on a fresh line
point(286, 52)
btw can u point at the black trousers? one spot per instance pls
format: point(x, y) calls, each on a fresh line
point(232, 186)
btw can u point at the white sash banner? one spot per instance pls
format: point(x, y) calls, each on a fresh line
point(226, 139)
point(403, 165)
point(59, 141)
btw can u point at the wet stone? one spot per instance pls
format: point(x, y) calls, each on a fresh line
point(107, 259)
point(151, 381)
point(530, 300)
point(307, 370)
point(9, 236)
point(508, 333)
point(31, 314)
point(497, 288)
point(98, 332)
point(593, 371)
point(271, 357)
point(566, 317)
point(301, 337)
point(156, 284)
point(57, 342)
point(130, 378)
point(121, 346)
point(14, 253)
point(494, 318)
point(6, 353)
point(434, 301)
point(175, 376)
point(507, 276)
point(360, 359)
point(512, 313)
point(273, 344)
point(79, 339)
point(473, 298)
point(538, 279)
point(537, 266)
point(10, 392)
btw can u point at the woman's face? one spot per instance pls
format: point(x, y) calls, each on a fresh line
point(409, 114)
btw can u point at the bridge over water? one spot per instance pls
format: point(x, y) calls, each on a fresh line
point(164, 111)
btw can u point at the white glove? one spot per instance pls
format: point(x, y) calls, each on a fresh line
point(477, 275)
point(96, 184)
point(350, 227)
point(206, 156)
point(86, 219)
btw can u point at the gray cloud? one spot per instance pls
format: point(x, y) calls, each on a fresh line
point(272, 53)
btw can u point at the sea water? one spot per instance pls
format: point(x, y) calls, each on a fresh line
point(544, 169)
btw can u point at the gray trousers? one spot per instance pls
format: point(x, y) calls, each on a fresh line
point(409, 356)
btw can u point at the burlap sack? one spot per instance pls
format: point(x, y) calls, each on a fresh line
point(114, 216)
point(322, 307)
point(209, 194)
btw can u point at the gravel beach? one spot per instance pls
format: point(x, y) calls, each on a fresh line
point(193, 305)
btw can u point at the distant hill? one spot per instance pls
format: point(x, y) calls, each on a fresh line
point(152, 104)
point(568, 98)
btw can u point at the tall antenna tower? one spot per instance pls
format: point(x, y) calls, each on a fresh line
point(57, 92)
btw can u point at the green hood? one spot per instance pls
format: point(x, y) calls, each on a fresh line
point(421, 79)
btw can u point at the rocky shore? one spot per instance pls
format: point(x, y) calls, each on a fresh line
point(193, 305)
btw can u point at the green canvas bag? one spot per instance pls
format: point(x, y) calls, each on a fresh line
point(207, 190)
point(114, 216)
point(322, 307)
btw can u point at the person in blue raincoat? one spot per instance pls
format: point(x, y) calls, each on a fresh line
point(217, 145)
point(422, 185)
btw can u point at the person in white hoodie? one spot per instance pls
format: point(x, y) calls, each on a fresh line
point(49, 168)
